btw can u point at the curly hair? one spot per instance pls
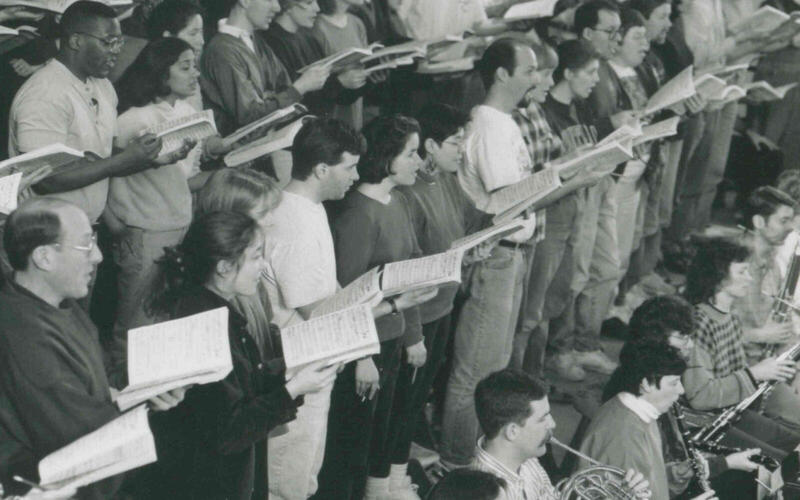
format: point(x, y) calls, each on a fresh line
point(644, 359)
point(386, 137)
point(656, 317)
point(710, 266)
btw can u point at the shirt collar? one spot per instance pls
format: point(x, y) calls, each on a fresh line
point(483, 456)
point(234, 31)
point(643, 409)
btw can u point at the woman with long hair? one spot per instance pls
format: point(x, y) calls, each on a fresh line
point(151, 209)
point(215, 439)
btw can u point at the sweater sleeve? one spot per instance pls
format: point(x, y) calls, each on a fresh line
point(226, 79)
point(706, 392)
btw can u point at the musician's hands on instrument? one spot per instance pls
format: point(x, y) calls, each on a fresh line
point(368, 380)
point(773, 333)
point(635, 481)
point(312, 378)
point(168, 400)
point(708, 495)
point(741, 460)
point(773, 369)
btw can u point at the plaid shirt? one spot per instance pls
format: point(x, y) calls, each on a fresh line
point(722, 340)
point(543, 144)
point(530, 482)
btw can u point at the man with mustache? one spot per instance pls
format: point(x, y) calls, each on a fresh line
point(514, 414)
point(71, 101)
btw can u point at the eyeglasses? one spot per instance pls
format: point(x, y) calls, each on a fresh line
point(113, 43)
point(611, 32)
point(83, 248)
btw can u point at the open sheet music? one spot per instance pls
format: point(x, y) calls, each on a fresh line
point(57, 6)
point(176, 353)
point(681, 87)
point(623, 133)
point(763, 91)
point(9, 192)
point(764, 20)
point(709, 85)
point(121, 445)
point(339, 337)
point(51, 157)
point(366, 289)
point(272, 120)
point(598, 158)
point(275, 140)
point(196, 126)
point(514, 199)
point(658, 130)
point(492, 233)
point(413, 274)
point(530, 10)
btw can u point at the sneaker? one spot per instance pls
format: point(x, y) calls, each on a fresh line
point(595, 361)
point(565, 367)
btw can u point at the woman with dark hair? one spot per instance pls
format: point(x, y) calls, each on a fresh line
point(719, 374)
point(213, 441)
point(180, 19)
point(150, 210)
point(570, 335)
point(371, 227)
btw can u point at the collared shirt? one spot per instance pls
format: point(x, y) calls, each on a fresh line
point(530, 482)
point(55, 106)
point(245, 36)
point(643, 409)
point(543, 144)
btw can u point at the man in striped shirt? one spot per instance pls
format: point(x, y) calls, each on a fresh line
point(514, 414)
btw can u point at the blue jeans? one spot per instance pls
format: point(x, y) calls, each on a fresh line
point(596, 272)
point(482, 345)
point(549, 284)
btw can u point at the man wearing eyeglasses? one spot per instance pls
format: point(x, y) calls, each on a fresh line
point(53, 385)
point(70, 101)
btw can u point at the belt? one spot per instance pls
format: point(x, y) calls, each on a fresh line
point(513, 245)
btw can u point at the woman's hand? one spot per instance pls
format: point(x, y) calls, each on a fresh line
point(741, 460)
point(368, 380)
point(416, 354)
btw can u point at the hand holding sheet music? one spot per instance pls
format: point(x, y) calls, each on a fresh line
point(512, 200)
point(172, 354)
point(436, 269)
point(365, 289)
point(122, 444)
point(173, 133)
point(339, 337)
point(676, 90)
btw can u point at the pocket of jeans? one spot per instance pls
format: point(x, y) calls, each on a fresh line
point(501, 258)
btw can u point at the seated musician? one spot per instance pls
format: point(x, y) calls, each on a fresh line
point(668, 320)
point(769, 215)
point(718, 375)
point(625, 433)
point(514, 414)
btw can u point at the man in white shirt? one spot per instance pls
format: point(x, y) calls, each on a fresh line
point(515, 416)
point(301, 271)
point(71, 101)
point(496, 157)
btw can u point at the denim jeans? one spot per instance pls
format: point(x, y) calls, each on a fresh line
point(548, 290)
point(672, 152)
point(629, 217)
point(596, 272)
point(482, 345)
point(295, 457)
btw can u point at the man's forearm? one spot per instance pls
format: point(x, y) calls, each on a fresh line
point(85, 172)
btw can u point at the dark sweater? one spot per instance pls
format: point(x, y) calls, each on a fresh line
point(296, 50)
point(240, 85)
point(366, 234)
point(441, 213)
point(211, 442)
point(53, 386)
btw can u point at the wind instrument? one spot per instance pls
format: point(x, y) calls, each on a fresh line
point(596, 482)
point(696, 460)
